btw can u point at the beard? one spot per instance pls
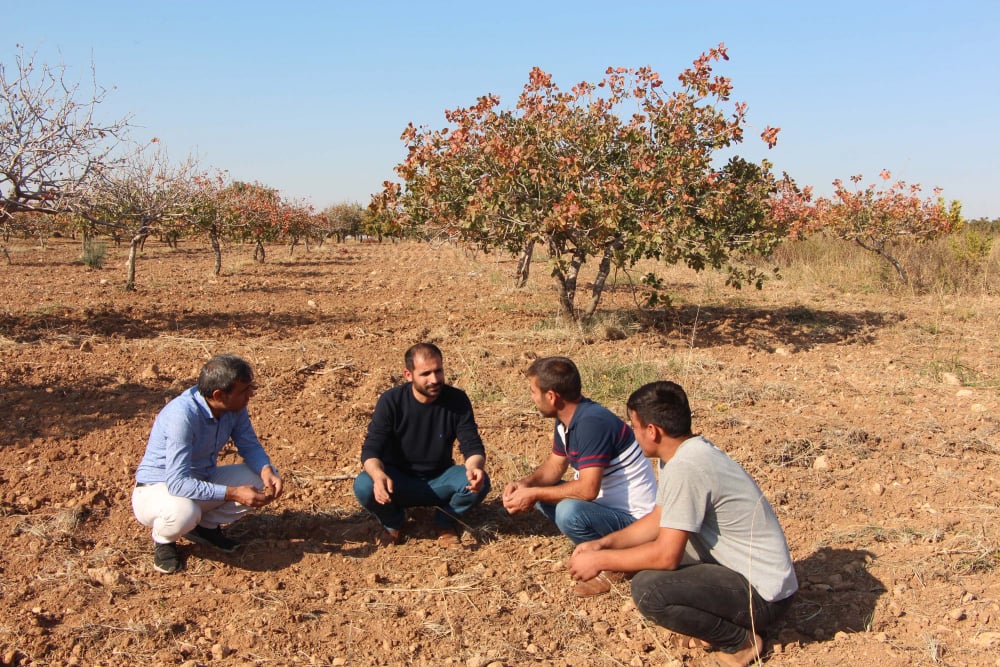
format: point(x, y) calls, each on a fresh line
point(547, 412)
point(430, 391)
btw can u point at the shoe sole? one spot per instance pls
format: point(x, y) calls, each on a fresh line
point(165, 570)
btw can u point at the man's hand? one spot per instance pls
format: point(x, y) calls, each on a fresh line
point(591, 545)
point(583, 563)
point(248, 495)
point(476, 477)
point(382, 484)
point(273, 483)
point(517, 498)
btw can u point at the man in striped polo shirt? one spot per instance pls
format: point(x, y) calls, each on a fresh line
point(613, 483)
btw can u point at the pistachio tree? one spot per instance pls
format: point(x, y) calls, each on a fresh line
point(144, 194)
point(51, 139)
point(614, 171)
point(877, 218)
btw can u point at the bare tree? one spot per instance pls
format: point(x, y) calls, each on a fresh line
point(142, 195)
point(50, 140)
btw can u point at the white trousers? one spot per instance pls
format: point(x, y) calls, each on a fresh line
point(172, 516)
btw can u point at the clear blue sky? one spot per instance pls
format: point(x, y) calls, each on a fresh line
point(311, 97)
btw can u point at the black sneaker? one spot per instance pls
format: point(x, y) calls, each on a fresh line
point(166, 559)
point(213, 537)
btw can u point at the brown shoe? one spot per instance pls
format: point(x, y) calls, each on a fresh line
point(448, 538)
point(599, 585)
point(389, 538)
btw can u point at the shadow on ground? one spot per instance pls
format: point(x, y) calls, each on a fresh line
point(837, 593)
point(794, 328)
point(54, 410)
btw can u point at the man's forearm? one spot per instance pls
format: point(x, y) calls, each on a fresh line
point(373, 467)
point(555, 492)
point(542, 476)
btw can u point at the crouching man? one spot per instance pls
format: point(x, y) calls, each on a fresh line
point(711, 559)
point(180, 490)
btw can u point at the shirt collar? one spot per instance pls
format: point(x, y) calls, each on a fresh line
point(202, 404)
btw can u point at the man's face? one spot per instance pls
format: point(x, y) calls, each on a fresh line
point(238, 396)
point(644, 435)
point(543, 400)
point(427, 377)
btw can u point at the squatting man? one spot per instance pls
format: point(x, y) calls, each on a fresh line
point(711, 561)
point(180, 489)
point(613, 484)
point(407, 453)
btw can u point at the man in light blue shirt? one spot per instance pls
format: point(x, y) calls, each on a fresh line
point(180, 490)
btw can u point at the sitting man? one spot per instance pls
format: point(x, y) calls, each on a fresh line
point(180, 490)
point(407, 454)
point(613, 483)
point(712, 561)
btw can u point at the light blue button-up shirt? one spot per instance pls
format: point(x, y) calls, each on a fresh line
point(184, 447)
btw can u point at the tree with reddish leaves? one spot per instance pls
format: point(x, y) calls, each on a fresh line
point(300, 224)
point(255, 213)
point(616, 171)
point(208, 212)
point(877, 218)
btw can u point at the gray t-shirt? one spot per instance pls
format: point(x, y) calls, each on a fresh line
point(704, 492)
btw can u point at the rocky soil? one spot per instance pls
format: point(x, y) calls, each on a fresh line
point(872, 422)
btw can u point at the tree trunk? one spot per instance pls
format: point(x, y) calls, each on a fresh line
point(258, 252)
point(6, 254)
point(567, 284)
point(884, 254)
point(602, 277)
point(213, 237)
point(133, 251)
point(524, 264)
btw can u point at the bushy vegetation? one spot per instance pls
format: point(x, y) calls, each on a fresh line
point(965, 262)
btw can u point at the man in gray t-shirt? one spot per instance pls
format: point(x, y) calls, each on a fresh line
point(711, 560)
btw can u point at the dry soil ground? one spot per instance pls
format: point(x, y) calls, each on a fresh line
point(872, 422)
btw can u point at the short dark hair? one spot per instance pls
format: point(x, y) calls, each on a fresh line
point(662, 404)
point(221, 372)
point(558, 374)
point(421, 350)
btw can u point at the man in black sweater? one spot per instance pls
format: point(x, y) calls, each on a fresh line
point(407, 453)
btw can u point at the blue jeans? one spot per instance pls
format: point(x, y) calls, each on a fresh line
point(582, 520)
point(447, 492)
point(706, 601)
